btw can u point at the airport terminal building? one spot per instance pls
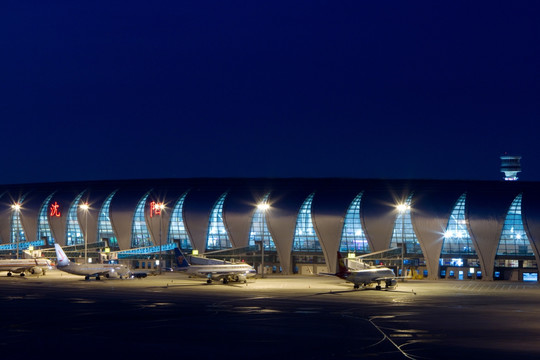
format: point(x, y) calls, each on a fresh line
point(485, 230)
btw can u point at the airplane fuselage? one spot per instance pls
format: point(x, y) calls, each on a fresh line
point(368, 276)
point(35, 266)
point(89, 270)
point(221, 272)
point(225, 272)
point(107, 270)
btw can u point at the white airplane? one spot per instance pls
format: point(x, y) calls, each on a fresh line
point(223, 272)
point(23, 266)
point(367, 276)
point(89, 270)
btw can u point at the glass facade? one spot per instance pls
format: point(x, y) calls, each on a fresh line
point(514, 249)
point(217, 238)
point(140, 237)
point(44, 228)
point(177, 230)
point(105, 228)
point(353, 239)
point(17, 232)
point(305, 238)
point(456, 239)
point(259, 229)
point(514, 240)
point(403, 230)
point(74, 235)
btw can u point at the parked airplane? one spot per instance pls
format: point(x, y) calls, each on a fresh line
point(223, 272)
point(23, 266)
point(89, 270)
point(367, 276)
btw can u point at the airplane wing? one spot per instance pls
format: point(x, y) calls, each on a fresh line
point(220, 275)
point(384, 278)
point(107, 271)
point(221, 272)
point(215, 273)
point(21, 269)
point(100, 273)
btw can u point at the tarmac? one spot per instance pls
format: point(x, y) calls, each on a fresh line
point(280, 316)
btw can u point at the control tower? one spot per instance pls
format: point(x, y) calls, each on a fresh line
point(510, 166)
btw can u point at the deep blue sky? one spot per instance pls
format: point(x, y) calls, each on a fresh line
point(368, 89)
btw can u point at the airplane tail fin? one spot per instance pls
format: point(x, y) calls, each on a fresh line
point(181, 261)
point(62, 259)
point(342, 269)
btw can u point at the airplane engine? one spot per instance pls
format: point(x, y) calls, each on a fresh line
point(36, 270)
point(112, 275)
point(240, 278)
point(139, 275)
point(391, 283)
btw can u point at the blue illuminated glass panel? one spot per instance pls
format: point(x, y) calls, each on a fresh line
point(17, 231)
point(403, 230)
point(259, 229)
point(217, 238)
point(105, 228)
point(177, 230)
point(140, 237)
point(305, 238)
point(44, 228)
point(514, 240)
point(456, 239)
point(353, 238)
point(74, 235)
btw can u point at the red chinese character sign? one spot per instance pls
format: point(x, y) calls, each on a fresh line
point(55, 210)
point(155, 208)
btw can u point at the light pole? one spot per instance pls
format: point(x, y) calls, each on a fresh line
point(263, 207)
point(402, 208)
point(161, 206)
point(16, 207)
point(85, 207)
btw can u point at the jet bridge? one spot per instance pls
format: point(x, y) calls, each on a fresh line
point(93, 250)
point(390, 258)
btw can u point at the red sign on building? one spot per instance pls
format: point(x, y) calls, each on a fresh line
point(155, 208)
point(55, 210)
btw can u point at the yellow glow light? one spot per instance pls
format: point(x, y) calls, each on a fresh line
point(84, 206)
point(403, 207)
point(263, 206)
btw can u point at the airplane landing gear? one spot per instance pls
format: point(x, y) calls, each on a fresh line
point(87, 277)
point(356, 286)
point(209, 281)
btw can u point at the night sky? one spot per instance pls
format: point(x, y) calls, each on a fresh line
point(360, 89)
